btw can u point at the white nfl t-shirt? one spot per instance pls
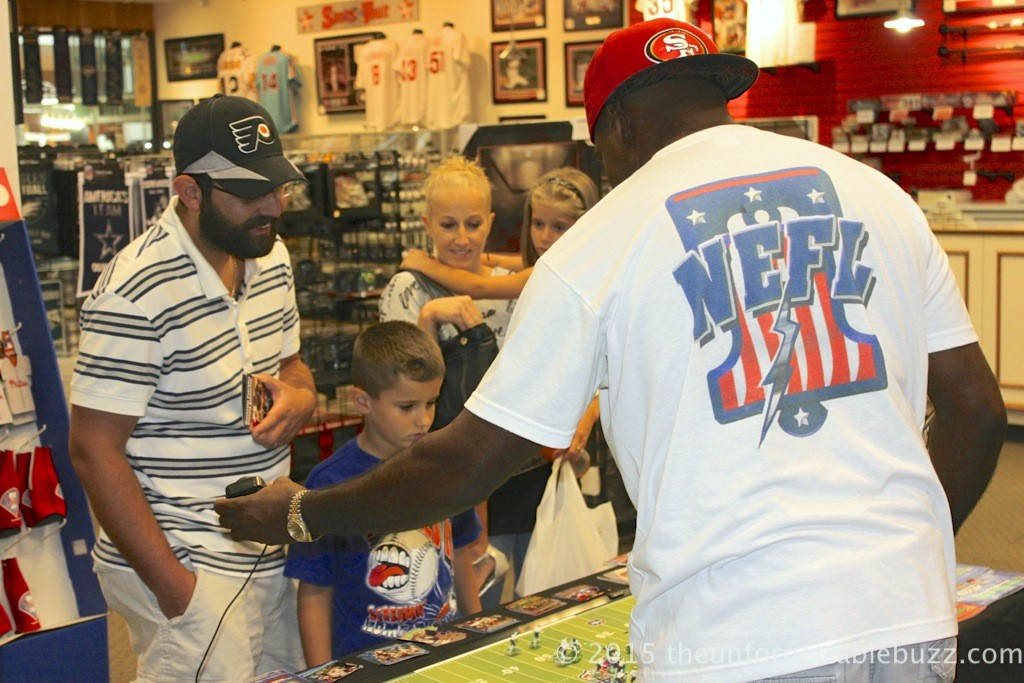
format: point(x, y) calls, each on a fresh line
point(236, 72)
point(758, 328)
point(376, 76)
point(411, 68)
point(447, 79)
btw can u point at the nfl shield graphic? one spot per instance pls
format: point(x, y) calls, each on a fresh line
point(774, 274)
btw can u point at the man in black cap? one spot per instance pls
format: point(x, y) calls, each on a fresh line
point(178, 320)
point(765, 320)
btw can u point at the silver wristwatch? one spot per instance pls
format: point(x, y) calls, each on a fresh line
point(297, 528)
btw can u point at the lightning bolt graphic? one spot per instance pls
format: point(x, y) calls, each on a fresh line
point(779, 373)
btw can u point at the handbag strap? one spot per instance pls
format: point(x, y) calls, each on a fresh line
point(433, 288)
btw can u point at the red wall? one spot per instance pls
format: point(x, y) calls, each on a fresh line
point(859, 58)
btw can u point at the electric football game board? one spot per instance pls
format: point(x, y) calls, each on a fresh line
point(576, 631)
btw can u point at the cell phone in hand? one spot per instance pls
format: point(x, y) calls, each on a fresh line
point(256, 401)
point(244, 486)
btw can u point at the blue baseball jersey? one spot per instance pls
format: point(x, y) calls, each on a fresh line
point(277, 82)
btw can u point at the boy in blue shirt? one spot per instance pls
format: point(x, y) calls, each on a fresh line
point(357, 591)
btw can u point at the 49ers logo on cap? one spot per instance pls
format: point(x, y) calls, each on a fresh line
point(250, 132)
point(673, 43)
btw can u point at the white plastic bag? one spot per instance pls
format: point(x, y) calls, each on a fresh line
point(569, 540)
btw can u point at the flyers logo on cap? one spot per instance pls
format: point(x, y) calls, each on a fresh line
point(250, 132)
point(674, 43)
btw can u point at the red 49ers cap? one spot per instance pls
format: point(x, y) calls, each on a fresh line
point(651, 51)
point(235, 142)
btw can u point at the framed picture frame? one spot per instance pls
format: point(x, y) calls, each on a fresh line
point(577, 59)
point(954, 6)
point(193, 58)
point(519, 74)
point(585, 15)
point(729, 18)
point(170, 112)
point(335, 60)
point(849, 9)
point(518, 14)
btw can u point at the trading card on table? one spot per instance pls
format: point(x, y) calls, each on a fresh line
point(256, 400)
point(619, 560)
point(433, 636)
point(277, 676)
point(393, 654)
point(620, 575)
point(581, 593)
point(331, 671)
point(535, 605)
point(597, 676)
point(488, 624)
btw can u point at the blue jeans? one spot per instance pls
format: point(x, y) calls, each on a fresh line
point(932, 661)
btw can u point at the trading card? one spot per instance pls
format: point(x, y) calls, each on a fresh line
point(488, 624)
point(620, 575)
point(596, 675)
point(331, 671)
point(535, 605)
point(256, 400)
point(277, 676)
point(393, 654)
point(619, 560)
point(581, 593)
point(433, 636)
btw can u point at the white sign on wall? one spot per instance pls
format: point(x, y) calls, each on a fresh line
point(337, 16)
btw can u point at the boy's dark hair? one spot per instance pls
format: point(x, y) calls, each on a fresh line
point(387, 351)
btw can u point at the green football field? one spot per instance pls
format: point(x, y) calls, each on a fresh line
point(594, 627)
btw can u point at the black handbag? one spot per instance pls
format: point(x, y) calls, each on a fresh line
point(466, 358)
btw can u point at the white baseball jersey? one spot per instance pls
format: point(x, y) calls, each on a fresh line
point(236, 72)
point(410, 66)
point(683, 10)
point(769, 23)
point(376, 76)
point(447, 79)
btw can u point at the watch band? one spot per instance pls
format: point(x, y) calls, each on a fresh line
point(296, 521)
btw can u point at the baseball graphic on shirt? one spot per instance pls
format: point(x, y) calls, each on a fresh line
point(403, 566)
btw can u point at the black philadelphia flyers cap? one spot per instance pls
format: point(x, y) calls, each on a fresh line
point(235, 142)
point(650, 51)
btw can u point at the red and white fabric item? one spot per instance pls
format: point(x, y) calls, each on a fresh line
point(19, 597)
point(447, 79)
point(42, 500)
point(6, 625)
point(11, 490)
point(376, 76)
point(411, 67)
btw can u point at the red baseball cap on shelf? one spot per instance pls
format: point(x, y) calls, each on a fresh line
point(648, 52)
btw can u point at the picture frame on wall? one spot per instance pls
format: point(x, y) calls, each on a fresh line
point(577, 59)
point(518, 74)
point(518, 14)
point(953, 6)
point(193, 58)
point(729, 19)
point(335, 60)
point(171, 111)
point(585, 15)
point(848, 9)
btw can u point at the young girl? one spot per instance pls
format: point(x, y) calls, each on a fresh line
point(554, 204)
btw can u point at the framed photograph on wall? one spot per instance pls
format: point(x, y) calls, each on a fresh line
point(518, 74)
point(513, 14)
point(846, 9)
point(730, 25)
point(584, 15)
point(194, 58)
point(577, 58)
point(951, 6)
point(170, 112)
point(335, 60)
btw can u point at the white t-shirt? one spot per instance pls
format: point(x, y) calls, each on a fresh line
point(376, 76)
point(778, 529)
point(411, 68)
point(403, 298)
point(447, 79)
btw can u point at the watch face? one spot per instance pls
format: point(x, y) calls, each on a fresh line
point(296, 529)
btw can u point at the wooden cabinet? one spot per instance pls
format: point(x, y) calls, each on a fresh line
point(989, 267)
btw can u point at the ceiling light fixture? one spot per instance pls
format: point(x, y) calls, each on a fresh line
point(904, 20)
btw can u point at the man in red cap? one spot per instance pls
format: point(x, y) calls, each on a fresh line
point(765, 320)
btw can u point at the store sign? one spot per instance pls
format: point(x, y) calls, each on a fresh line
point(336, 16)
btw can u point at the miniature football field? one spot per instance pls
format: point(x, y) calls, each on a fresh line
point(595, 629)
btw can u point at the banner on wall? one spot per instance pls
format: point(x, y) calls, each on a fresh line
point(335, 16)
point(105, 214)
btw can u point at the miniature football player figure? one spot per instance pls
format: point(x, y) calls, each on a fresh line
point(513, 649)
point(535, 641)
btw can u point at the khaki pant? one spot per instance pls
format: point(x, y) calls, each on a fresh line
point(259, 633)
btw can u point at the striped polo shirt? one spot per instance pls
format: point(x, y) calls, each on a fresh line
point(162, 340)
